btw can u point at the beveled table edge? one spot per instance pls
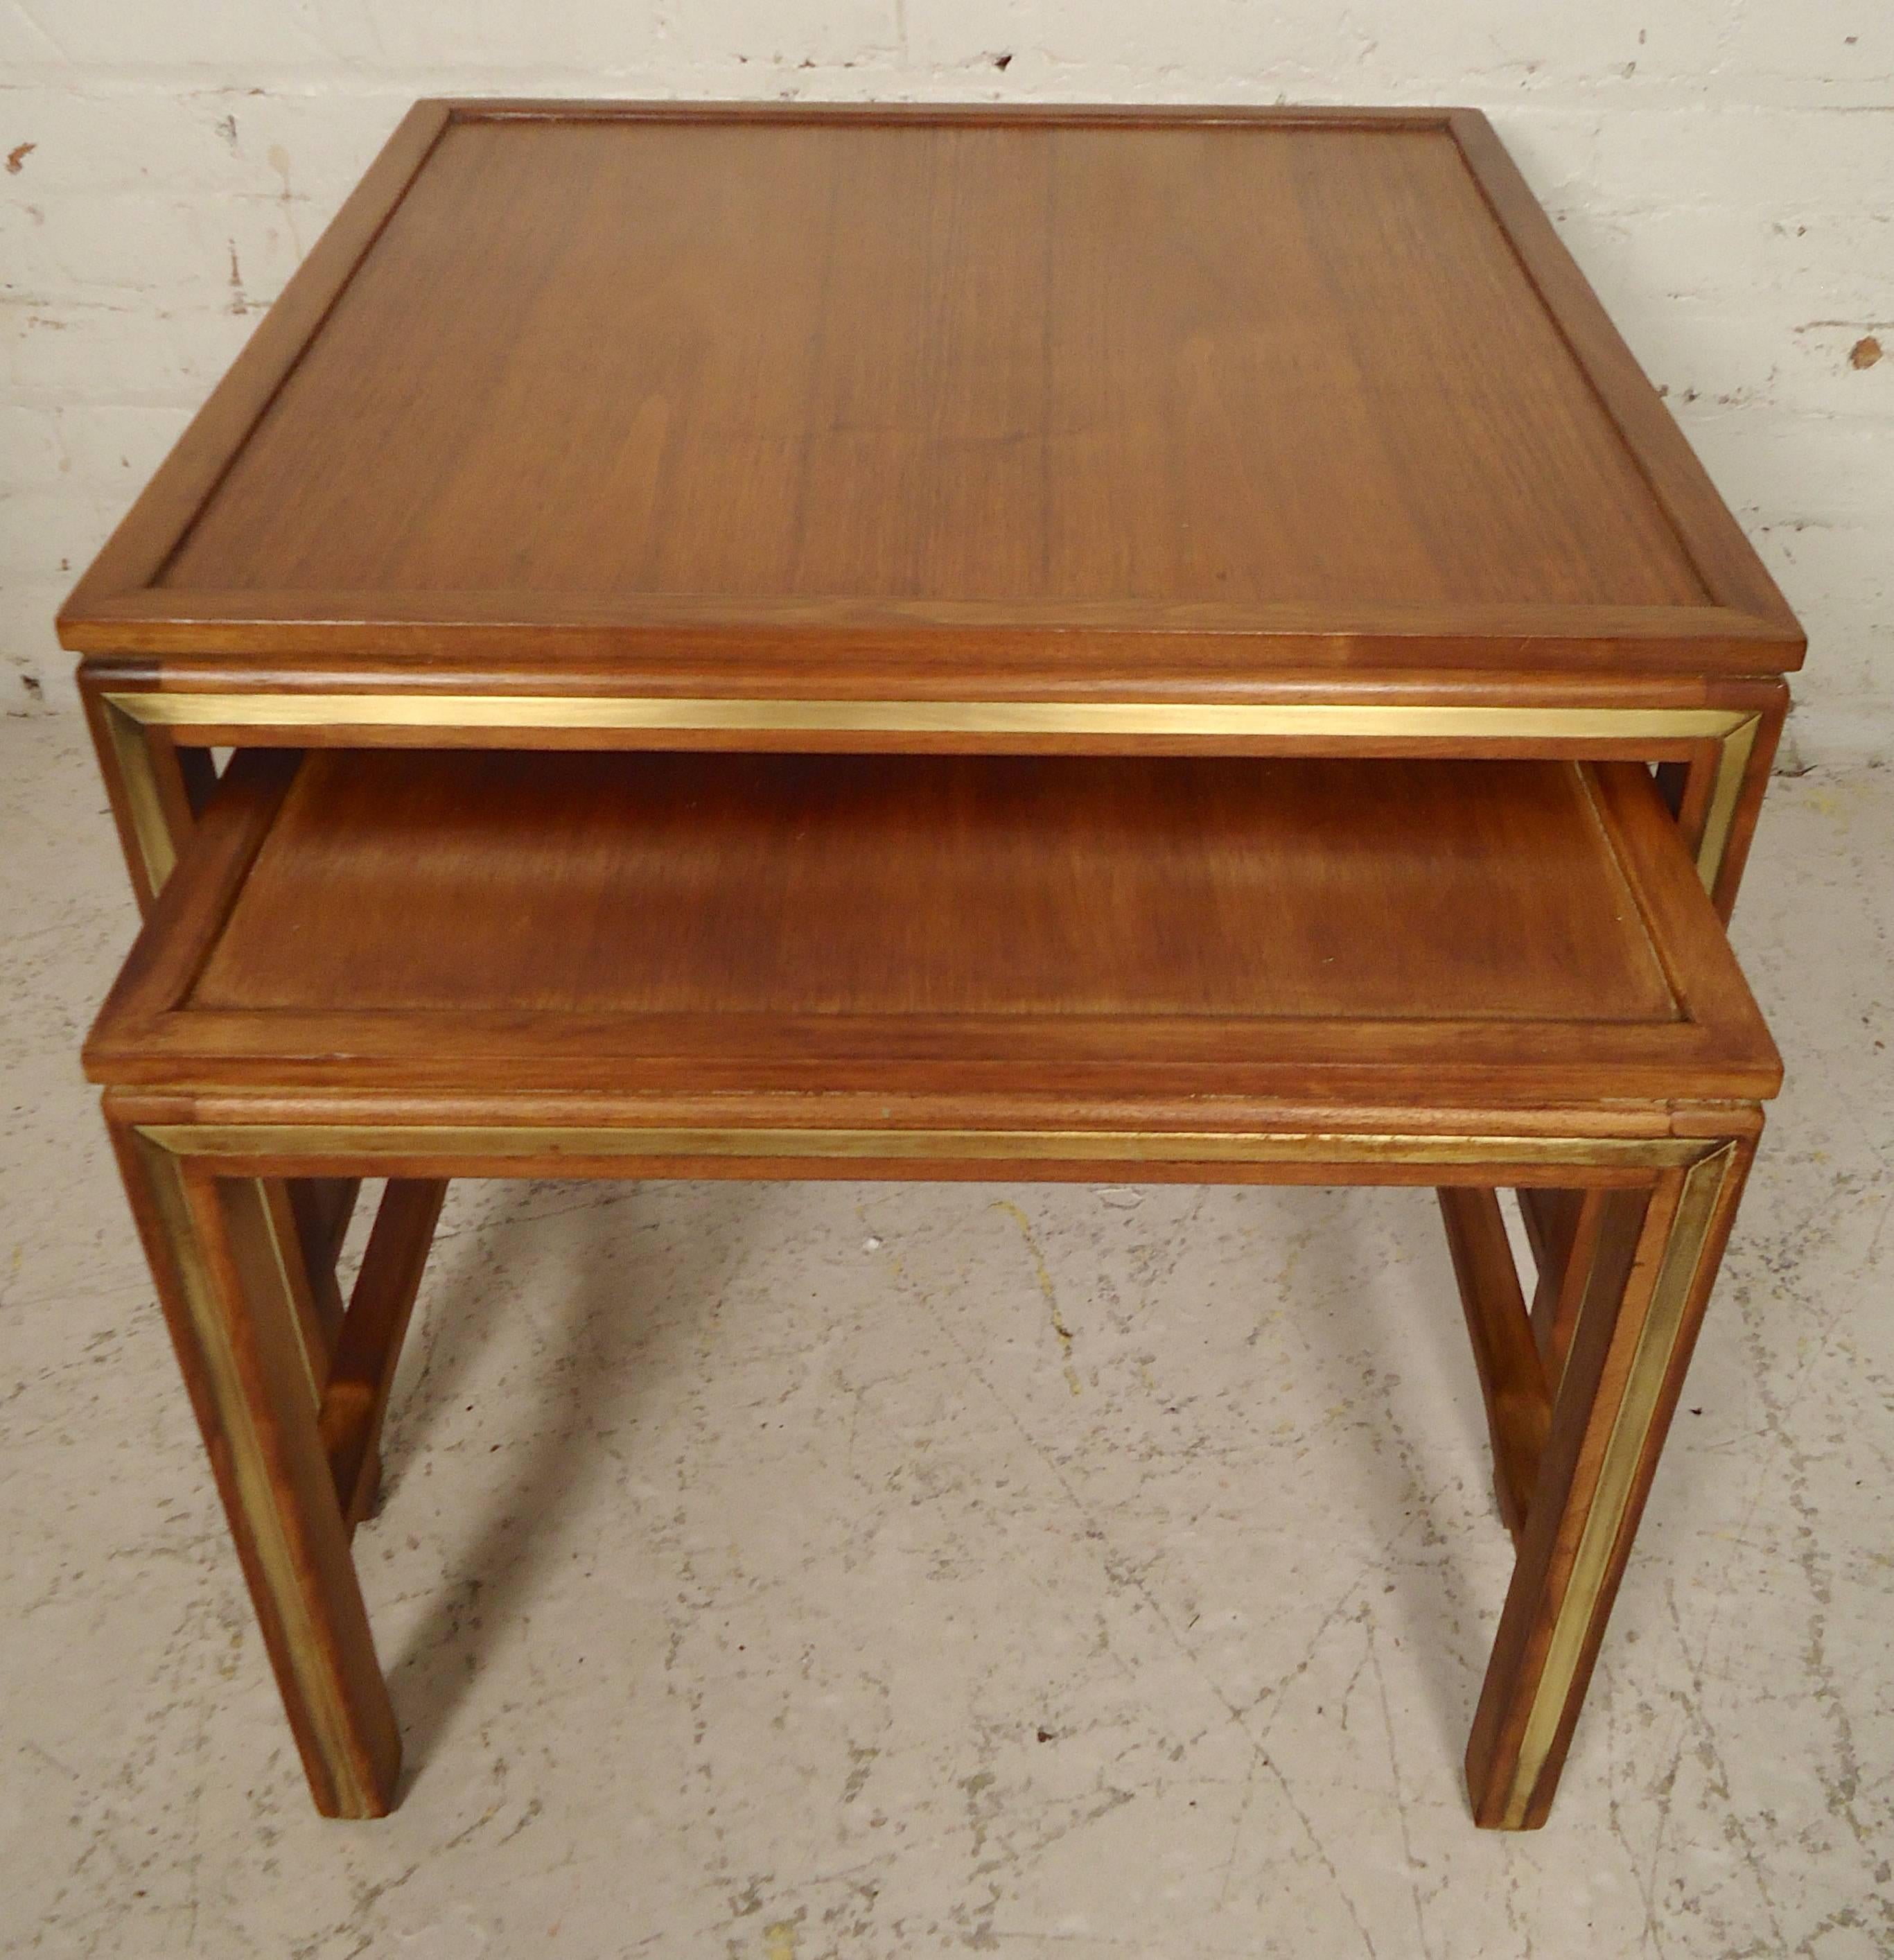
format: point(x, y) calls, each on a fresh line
point(1747, 627)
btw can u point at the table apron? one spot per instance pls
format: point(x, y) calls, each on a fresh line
point(1722, 740)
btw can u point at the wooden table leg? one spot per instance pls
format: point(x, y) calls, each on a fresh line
point(1656, 1259)
point(318, 1214)
point(355, 1399)
point(156, 786)
point(1512, 1376)
point(1563, 1226)
point(234, 1326)
point(1723, 846)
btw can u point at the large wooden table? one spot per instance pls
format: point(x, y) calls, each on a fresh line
point(819, 427)
point(1119, 432)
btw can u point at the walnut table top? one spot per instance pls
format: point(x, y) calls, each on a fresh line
point(1155, 397)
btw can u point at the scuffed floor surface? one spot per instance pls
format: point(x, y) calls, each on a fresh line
point(804, 1570)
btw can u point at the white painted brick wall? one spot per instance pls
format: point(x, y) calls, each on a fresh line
point(1723, 169)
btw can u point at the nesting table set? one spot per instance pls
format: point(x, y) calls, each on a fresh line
point(798, 642)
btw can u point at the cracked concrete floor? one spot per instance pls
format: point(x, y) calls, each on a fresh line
point(797, 1570)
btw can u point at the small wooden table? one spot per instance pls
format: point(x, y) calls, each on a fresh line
point(1119, 432)
point(440, 965)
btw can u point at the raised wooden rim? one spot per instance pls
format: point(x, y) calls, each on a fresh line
point(115, 609)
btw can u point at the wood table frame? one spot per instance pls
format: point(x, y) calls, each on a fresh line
point(168, 676)
point(292, 1423)
point(213, 1121)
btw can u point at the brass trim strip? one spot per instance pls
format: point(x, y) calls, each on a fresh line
point(1624, 1450)
point(340, 711)
point(371, 1142)
point(1732, 763)
point(131, 751)
point(413, 709)
point(256, 1492)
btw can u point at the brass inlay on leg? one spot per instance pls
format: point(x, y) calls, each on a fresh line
point(144, 805)
point(1732, 763)
point(1611, 1497)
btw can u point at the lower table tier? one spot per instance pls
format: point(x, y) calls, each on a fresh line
point(1519, 930)
point(419, 966)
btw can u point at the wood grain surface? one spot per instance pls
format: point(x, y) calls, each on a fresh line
point(776, 380)
point(1251, 926)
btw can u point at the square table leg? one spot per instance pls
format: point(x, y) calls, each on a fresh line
point(1513, 1371)
point(233, 1322)
point(1649, 1279)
